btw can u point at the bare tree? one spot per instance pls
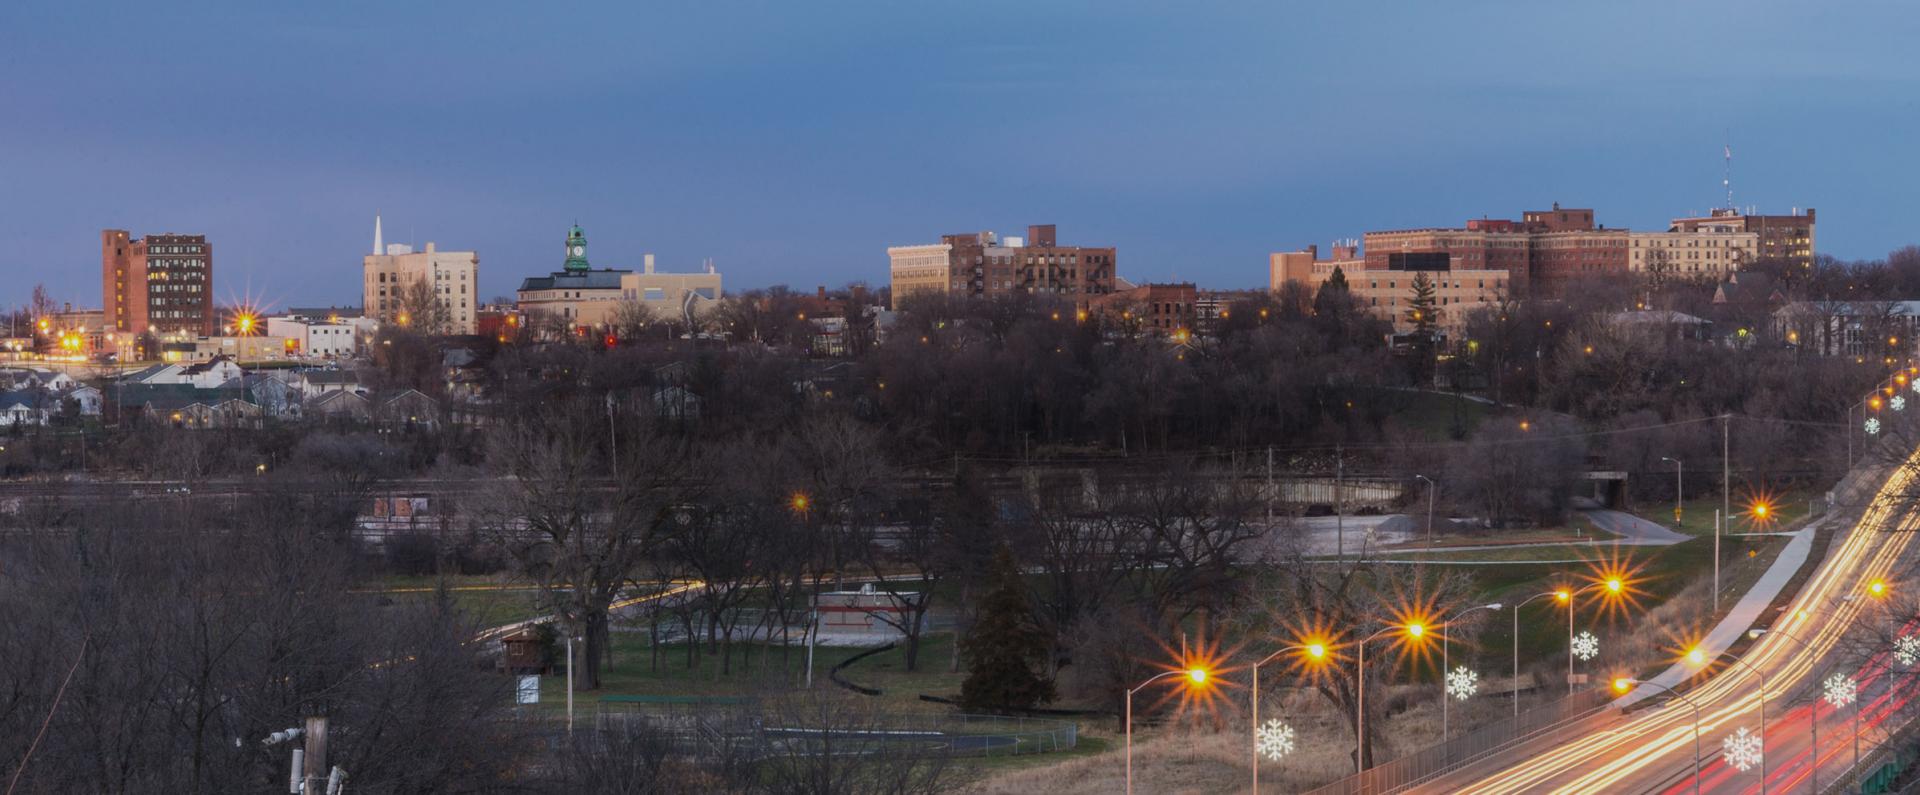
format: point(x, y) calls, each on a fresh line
point(573, 530)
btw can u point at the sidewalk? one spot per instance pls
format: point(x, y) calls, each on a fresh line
point(1745, 614)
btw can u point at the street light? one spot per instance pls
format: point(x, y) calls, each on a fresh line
point(1316, 652)
point(1813, 711)
point(1446, 662)
point(1624, 684)
point(1614, 586)
point(1430, 488)
point(1414, 629)
point(1679, 486)
point(1196, 677)
point(1698, 656)
point(1514, 686)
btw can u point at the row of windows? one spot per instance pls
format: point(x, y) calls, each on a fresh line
point(162, 275)
point(185, 267)
point(1497, 283)
point(174, 249)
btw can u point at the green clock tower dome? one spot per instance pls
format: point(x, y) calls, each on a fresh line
point(576, 250)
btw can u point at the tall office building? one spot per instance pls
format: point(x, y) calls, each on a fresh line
point(159, 283)
point(394, 274)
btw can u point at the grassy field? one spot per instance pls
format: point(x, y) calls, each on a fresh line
point(1438, 416)
point(1785, 510)
point(761, 667)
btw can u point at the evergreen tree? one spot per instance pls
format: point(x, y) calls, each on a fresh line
point(1423, 313)
point(1005, 647)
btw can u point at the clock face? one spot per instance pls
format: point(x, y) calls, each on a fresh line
point(578, 250)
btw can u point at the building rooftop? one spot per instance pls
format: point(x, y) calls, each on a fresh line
point(603, 279)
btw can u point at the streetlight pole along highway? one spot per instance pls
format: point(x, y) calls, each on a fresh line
point(1514, 686)
point(1813, 712)
point(1414, 630)
point(1624, 684)
point(1446, 661)
point(1679, 487)
point(1316, 652)
point(1614, 585)
point(1430, 490)
point(1196, 677)
point(1699, 658)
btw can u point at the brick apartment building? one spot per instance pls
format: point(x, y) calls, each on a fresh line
point(984, 264)
point(1165, 308)
point(159, 283)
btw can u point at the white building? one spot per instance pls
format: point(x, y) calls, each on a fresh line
point(315, 339)
point(1706, 254)
point(453, 276)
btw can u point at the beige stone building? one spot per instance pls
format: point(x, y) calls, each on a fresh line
point(1708, 253)
point(1388, 291)
point(920, 269)
point(672, 294)
point(583, 297)
point(453, 276)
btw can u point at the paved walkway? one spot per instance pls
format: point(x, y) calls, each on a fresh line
point(1633, 529)
point(1745, 614)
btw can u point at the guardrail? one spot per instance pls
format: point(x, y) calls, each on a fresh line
point(1544, 722)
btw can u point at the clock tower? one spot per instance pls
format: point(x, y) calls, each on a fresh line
point(576, 250)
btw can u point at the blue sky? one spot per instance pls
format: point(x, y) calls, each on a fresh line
point(792, 142)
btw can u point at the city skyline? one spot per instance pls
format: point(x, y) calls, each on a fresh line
point(1194, 145)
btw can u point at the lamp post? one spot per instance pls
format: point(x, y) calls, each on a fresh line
point(1679, 487)
point(1315, 651)
point(1413, 630)
point(1446, 662)
point(1614, 585)
point(1197, 677)
point(1700, 658)
point(1430, 489)
point(1813, 712)
point(1514, 686)
point(1622, 685)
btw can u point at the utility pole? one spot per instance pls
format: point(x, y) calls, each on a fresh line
point(1339, 515)
point(313, 770)
point(1727, 473)
point(1716, 561)
point(613, 439)
point(1269, 487)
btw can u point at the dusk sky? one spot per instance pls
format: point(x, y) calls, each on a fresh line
point(793, 142)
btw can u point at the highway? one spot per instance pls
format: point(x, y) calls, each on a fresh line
point(1650, 748)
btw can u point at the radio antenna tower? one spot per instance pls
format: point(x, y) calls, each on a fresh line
point(1726, 180)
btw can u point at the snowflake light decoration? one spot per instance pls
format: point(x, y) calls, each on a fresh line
point(1273, 739)
point(1916, 386)
point(1586, 646)
point(1898, 403)
point(1741, 749)
point(1462, 683)
point(1907, 649)
point(1839, 690)
point(1873, 426)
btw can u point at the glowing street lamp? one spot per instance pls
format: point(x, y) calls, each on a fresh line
point(1274, 739)
point(1678, 486)
point(1625, 684)
point(1699, 656)
point(1413, 629)
point(1196, 678)
point(1877, 588)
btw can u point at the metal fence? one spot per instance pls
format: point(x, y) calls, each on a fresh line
point(694, 725)
point(1548, 722)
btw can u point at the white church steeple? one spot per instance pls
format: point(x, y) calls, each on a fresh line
point(378, 246)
